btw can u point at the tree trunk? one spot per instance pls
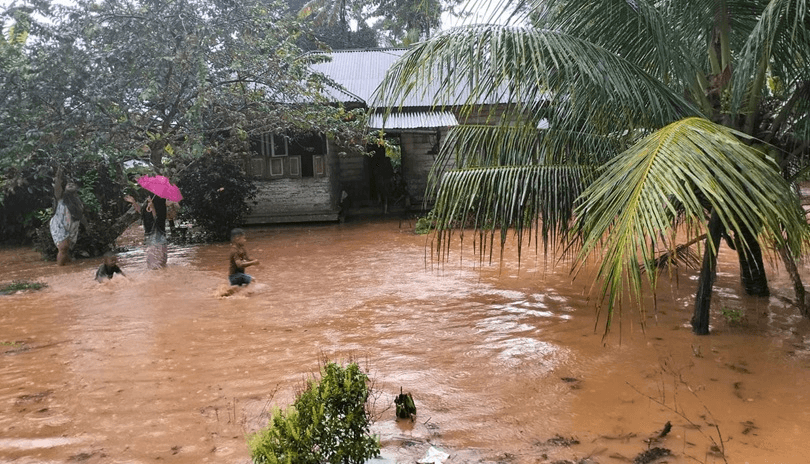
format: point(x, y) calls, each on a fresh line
point(798, 287)
point(703, 297)
point(752, 269)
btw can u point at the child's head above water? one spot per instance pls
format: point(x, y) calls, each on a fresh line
point(110, 258)
point(237, 236)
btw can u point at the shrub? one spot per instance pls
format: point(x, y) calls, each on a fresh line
point(216, 194)
point(327, 423)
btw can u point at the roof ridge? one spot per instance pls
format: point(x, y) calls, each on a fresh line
point(356, 50)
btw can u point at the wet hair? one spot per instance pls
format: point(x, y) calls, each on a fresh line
point(109, 254)
point(237, 233)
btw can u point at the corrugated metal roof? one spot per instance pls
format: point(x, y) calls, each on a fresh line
point(413, 120)
point(359, 71)
point(358, 74)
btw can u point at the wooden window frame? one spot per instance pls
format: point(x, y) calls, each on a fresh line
point(294, 166)
point(276, 166)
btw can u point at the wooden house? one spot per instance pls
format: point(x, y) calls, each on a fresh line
point(309, 178)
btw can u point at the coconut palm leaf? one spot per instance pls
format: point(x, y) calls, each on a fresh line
point(533, 70)
point(482, 145)
point(779, 46)
point(640, 31)
point(494, 200)
point(631, 206)
point(606, 76)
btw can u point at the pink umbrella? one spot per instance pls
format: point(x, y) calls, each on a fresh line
point(160, 186)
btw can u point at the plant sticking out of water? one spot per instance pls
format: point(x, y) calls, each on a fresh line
point(406, 408)
point(21, 285)
point(733, 316)
point(717, 447)
point(328, 423)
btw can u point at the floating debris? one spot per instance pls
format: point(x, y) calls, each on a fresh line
point(433, 456)
point(651, 455)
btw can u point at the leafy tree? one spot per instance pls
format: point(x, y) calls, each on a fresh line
point(404, 22)
point(329, 24)
point(164, 82)
point(662, 118)
point(385, 22)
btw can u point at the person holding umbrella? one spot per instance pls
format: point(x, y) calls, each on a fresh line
point(153, 215)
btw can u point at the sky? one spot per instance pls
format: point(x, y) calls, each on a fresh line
point(481, 12)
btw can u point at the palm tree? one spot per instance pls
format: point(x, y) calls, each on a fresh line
point(663, 119)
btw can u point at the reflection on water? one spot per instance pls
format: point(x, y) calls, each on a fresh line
point(503, 362)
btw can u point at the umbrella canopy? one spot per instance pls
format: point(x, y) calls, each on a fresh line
point(160, 186)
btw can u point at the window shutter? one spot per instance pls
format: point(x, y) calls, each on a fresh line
point(295, 166)
point(276, 167)
point(319, 165)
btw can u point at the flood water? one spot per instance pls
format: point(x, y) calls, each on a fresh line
point(503, 362)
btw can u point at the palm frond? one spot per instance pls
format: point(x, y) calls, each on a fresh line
point(657, 38)
point(534, 69)
point(780, 43)
point(627, 210)
point(477, 146)
point(681, 254)
point(491, 201)
point(487, 145)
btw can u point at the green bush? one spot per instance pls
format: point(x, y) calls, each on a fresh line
point(216, 194)
point(327, 423)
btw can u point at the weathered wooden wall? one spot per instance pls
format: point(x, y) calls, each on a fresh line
point(294, 200)
point(419, 152)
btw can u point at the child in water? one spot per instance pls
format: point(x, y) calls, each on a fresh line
point(239, 259)
point(108, 268)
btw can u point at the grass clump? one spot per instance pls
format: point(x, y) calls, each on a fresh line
point(327, 423)
point(20, 285)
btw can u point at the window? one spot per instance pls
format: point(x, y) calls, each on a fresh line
point(278, 156)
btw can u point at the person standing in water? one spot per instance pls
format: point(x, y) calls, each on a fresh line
point(153, 215)
point(68, 215)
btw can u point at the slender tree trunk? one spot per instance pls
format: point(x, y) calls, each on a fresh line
point(752, 269)
point(703, 297)
point(798, 287)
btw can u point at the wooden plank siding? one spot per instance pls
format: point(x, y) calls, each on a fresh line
point(300, 199)
point(294, 200)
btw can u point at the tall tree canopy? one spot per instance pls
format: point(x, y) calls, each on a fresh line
point(657, 118)
point(354, 23)
point(338, 25)
point(165, 81)
point(131, 73)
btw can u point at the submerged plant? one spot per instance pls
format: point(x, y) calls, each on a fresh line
point(732, 316)
point(21, 285)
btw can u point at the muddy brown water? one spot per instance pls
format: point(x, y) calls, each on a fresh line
point(503, 362)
